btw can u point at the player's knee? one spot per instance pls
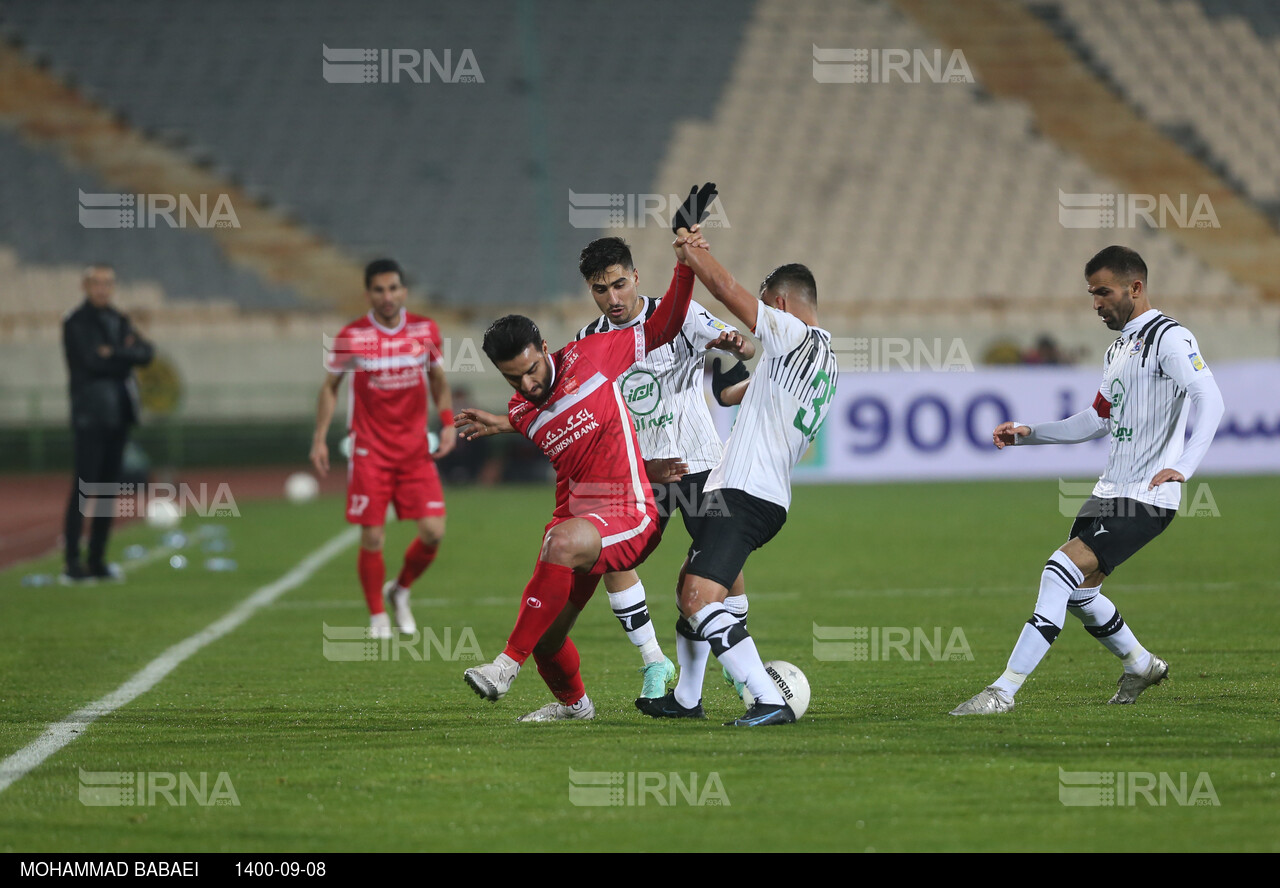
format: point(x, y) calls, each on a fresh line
point(431, 533)
point(371, 538)
point(562, 546)
point(1081, 556)
point(687, 599)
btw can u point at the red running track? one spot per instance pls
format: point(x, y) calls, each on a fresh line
point(32, 506)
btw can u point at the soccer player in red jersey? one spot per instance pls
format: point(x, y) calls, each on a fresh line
point(393, 357)
point(605, 519)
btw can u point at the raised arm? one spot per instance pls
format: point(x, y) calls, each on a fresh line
point(735, 297)
point(664, 324)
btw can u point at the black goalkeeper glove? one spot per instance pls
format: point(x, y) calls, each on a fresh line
point(694, 208)
point(722, 380)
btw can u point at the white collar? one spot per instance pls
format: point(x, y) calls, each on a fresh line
point(638, 319)
point(1136, 324)
point(404, 317)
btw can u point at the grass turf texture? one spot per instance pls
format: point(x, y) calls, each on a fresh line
point(400, 755)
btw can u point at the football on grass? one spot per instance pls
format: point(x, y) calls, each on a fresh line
point(792, 683)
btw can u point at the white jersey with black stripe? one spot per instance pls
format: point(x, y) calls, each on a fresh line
point(1143, 397)
point(664, 392)
point(785, 404)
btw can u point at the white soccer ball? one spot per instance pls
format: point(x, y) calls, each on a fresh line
point(163, 514)
point(301, 487)
point(792, 683)
point(433, 442)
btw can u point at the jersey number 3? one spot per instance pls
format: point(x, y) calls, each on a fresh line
point(809, 426)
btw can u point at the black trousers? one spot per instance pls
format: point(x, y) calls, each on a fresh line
point(99, 454)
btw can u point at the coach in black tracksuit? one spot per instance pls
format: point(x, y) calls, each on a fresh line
point(102, 348)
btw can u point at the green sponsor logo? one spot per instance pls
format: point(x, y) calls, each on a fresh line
point(1120, 432)
point(641, 392)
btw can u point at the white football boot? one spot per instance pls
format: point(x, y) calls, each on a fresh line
point(379, 627)
point(1134, 683)
point(397, 598)
point(583, 709)
point(989, 700)
point(493, 680)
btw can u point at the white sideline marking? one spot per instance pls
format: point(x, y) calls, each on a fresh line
point(354, 603)
point(60, 734)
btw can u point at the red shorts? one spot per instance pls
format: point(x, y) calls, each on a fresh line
point(624, 546)
point(414, 488)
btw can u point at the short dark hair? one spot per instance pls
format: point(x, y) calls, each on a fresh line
point(508, 336)
point(1120, 261)
point(381, 266)
point(793, 275)
point(598, 255)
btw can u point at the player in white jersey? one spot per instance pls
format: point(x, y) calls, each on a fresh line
point(782, 410)
point(678, 438)
point(1152, 374)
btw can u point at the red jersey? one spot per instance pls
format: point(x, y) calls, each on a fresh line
point(584, 427)
point(387, 408)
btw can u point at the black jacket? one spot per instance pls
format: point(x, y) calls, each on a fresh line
point(103, 390)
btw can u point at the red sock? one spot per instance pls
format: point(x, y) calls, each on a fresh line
point(417, 558)
point(373, 573)
point(561, 673)
point(544, 598)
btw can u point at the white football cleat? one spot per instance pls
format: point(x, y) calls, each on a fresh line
point(493, 680)
point(1134, 683)
point(989, 700)
point(583, 709)
point(379, 627)
point(397, 598)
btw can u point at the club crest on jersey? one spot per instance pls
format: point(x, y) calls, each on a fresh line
point(570, 384)
point(1194, 357)
point(1136, 346)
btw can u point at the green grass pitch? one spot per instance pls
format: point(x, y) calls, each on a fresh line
point(398, 754)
